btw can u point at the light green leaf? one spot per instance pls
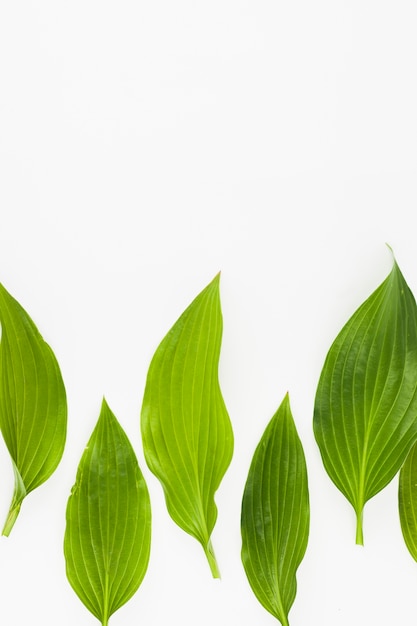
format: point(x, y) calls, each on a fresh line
point(366, 402)
point(108, 531)
point(407, 501)
point(33, 407)
point(186, 431)
point(276, 515)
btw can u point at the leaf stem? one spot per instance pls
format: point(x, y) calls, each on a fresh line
point(105, 617)
point(11, 518)
point(359, 527)
point(18, 496)
point(211, 557)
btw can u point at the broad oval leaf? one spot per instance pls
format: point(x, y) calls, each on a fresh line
point(407, 501)
point(186, 431)
point(366, 403)
point(33, 406)
point(276, 515)
point(108, 529)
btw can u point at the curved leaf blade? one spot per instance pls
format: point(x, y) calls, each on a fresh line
point(186, 431)
point(407, 501)
point(366, 402)
point(33, 407)
point(276, 515)
point(108, 521)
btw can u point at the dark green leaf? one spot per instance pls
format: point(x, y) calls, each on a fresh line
point(108, 531)
point(33, 407)
point(276, 515)
point(366, 403)
point(187, 435)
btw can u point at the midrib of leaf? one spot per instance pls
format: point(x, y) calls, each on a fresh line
point(289, 436)
point(358, 494)
point(374, 408)
point(372, 404)
point(279, 601)
point(106, 601)
point(372, 411)
point(361, 495)
point(202, 505)
point(112, 590)
point(202, 533)
point(350, 495)
point(280, 610)
point(105, 536)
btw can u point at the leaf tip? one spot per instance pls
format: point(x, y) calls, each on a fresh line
point(216, 279)
point(392, 254)
point(286, 401)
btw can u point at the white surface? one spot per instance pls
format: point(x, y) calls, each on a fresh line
point(143, 147)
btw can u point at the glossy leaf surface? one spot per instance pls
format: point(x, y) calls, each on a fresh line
point(276, 515)
point(33, 407)
point(366, 404)
point(186, 431)
point(408, 501)
point(108, 530)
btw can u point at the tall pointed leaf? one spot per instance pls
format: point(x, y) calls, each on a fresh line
point(407, 500)
point(186, 431)
point(33, 407)
point(366, 403)
point(276, 515)
point(108, 531)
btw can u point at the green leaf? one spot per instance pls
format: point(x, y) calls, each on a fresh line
point(366, 402)
point(186, 431)
point(407, 500)
point(108, 531)
point(33, 406)
point(276, 515)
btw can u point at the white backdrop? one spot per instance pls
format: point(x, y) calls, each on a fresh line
point(146, 145)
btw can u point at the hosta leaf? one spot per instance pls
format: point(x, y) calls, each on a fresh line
point(407, 497)
point(108, 531)
point(33, 407)
point(186, 431)
point(276, 515)
point(366, 403)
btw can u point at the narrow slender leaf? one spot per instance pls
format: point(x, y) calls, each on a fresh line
point(276, 515)
point(407, 500)
point(366, 402)
point(108, 531)
point(186, 431)
point(33, 407)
